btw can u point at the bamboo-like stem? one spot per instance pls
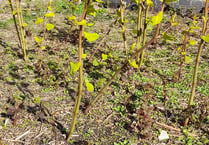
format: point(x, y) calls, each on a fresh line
point(139, 28)
point(80, 85)
point(144, 36)
point(194, 83)
point(126, 63)
point(15, 22)
point(123, 26)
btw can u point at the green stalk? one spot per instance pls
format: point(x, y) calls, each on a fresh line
point(15, 22)
point(126, 63)
point(144, 36)
point(194, 83)
point(80, 85)
point(22, 34)
point(123, 26)
point(139, 28)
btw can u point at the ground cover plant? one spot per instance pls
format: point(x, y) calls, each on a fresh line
point(86, 73)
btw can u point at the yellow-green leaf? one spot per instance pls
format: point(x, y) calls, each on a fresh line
point(168, 37)
point(95, 62)
point(49, 8)
point(90, 24)
point(8, 2)
point(149, 3)
point(49, 27)
point(110, 54)
point(188, 59)
point(83, 56)
point(74, 67)
point(205, 38)
point(43, 47)
point(14, 12)
point(39, 21)
point(169, 1)
point(89, 86)
point(38, 40)
point(91, 36)
point(157, 19)
point(50, 14)
point(25, 24)
point(83, 22)
point(104, 56)
point(179, 48)
point(183, 53)
point(192, 42)
point(133, 63)
point(71, 18)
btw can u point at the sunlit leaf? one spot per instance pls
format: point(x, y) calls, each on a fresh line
point(188, 59)
point(83, 22)
point(192, 42)
point(8, 2)
point(95, 62)
point(104, 56)
point(38, 40)
point(83, 56)
point(91, 36)
point(169, 1)
point(50, 14)
point(39, 21)
point(49, 27)
point(74, 67)
point(133, 63)
point(71, 18)
point(90, 24)
point(25, 24)
point(49, 8)
point(43, 47)
point(91, 10)
point(183, 53)
point(110, 54)
point(205, 38)
point(149, 3)
point(157, 19)
point(132, 47)
point(179, 48)
point(89, 86)
point(100, 1)
point(14, 12)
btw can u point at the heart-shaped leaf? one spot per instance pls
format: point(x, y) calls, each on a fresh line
point(157, 19)
point(89, 86)
point(74, 67)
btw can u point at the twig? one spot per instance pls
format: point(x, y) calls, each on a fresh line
point(19, 137)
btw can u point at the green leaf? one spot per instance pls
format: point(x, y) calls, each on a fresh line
point(133, 63)
point(149, 3)
point(38, 40)
point(205, 38)
point(192, 42)
point(50, 14)
point(168, 37)
point(157, 19)
point(83, 22)
point(39, 21)
point(110, 54)
point(91, 10)
point(83, 56)
point(95, 62)
point(71, 18)
point(132, 47)
point(49, 27)
point(37, 100)
point(91, 36)
point(49, 8)
point(99, 1)
point(89, 86)
point(188, 59)
point(74, 67)
point(25, 24)
point(14, 12)
point(104, 56)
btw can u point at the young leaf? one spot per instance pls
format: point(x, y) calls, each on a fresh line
point(49, 26)
point(205, 38)
point(157, 19)
point(49, 8)
point(91, 10)
point(71, 18)
point(192, 42)
point(168, 37)
point(83, 56)
point(38, 21)
point(89, 86)
point(14, 12)
point(149, 3)
point(188, 59)
point(91, 36)
point(50, 14)
point(25, 24)
point(95, 62)
point(99, 1)
point(83, 22)
point(38, 40)
point(104, 56)
point(170, 1)
point(74, 67)
point(133, 63)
